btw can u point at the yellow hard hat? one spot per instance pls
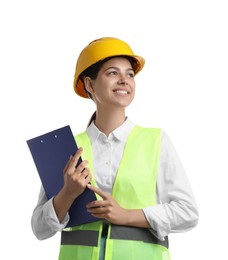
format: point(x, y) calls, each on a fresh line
point(98, 50)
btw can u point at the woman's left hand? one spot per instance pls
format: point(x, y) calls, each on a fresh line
point(107, 208)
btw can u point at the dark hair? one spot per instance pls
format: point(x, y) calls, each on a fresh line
point(93, 70)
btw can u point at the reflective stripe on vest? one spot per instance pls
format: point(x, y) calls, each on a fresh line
point(135, 233)
point(90, 237)
point(80, 237)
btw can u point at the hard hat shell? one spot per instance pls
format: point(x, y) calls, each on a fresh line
point(99, 50)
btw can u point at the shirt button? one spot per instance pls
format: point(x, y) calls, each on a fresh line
point(108, 181)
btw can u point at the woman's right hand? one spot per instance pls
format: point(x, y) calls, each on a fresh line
point(76, 178)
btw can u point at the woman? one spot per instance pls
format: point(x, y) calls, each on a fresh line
point(143, 189)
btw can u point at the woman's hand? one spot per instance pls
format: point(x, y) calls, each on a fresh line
point(107, 208)
point(76, 178)
point(75, 181)
point(110, 210)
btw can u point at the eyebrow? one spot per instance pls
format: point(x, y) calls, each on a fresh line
point(113, 67)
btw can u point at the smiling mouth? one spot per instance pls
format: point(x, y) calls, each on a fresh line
point(122, 92)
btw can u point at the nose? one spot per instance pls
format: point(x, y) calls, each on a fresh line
point(122, 81)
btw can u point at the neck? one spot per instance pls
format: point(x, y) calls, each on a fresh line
point(108, 120)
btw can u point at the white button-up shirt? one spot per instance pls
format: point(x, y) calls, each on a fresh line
point(176, 209)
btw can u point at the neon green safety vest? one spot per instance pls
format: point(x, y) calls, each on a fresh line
point(134, 188)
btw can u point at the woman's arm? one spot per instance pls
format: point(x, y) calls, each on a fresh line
point(44, 220)
point(51, 216)
point(176, 209)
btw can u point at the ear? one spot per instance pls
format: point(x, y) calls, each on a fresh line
point(88, 85)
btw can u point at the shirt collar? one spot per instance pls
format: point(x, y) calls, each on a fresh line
point(120, 133)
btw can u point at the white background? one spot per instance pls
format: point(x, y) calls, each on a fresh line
point(181, 89)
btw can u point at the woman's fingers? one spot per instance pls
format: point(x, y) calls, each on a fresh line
point(84, 175)
point(100, 192)
point(81, 167)
point(73, 161)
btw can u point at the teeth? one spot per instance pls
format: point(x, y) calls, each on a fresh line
point(121, 91)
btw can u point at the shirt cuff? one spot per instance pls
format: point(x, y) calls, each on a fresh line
point(51, 217)
point(158, 221)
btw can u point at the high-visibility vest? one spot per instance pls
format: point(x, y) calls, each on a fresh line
point(134, 188)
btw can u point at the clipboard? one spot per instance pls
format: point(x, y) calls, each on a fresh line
point(50, 153)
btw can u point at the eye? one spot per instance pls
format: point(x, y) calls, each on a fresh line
point(131, 74)
point(112, 73)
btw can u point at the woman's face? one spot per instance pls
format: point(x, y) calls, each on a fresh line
point(115, 84)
